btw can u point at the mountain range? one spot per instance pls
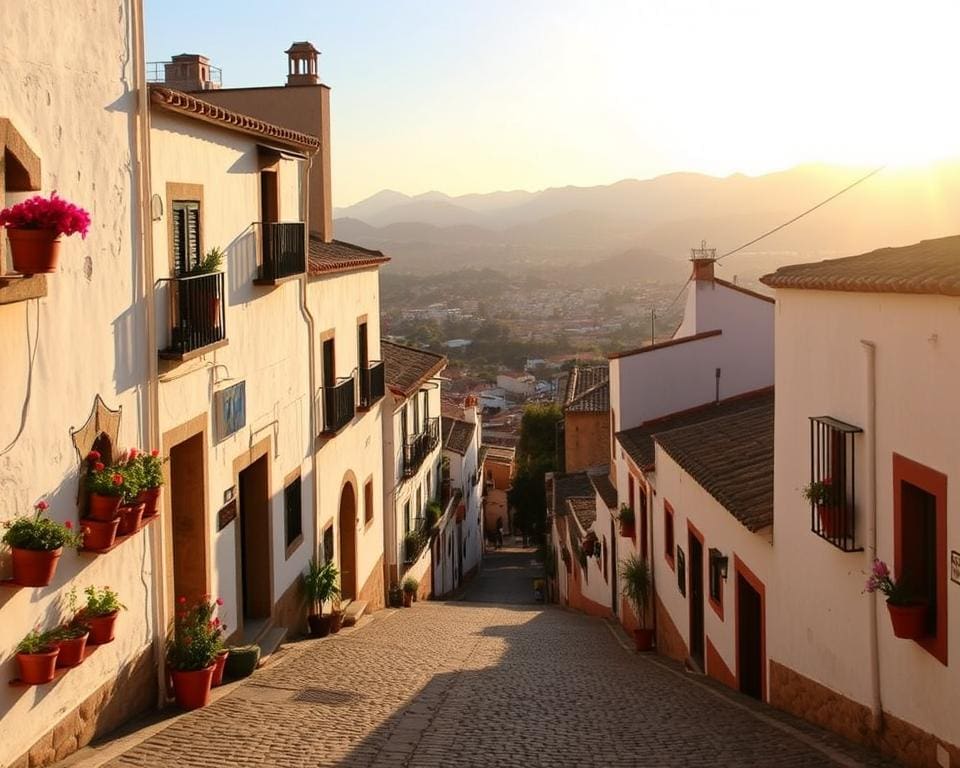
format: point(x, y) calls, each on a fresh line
point(658, 220)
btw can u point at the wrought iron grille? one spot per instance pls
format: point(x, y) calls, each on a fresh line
point(833, 514)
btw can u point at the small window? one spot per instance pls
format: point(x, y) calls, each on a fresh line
point(668, 545)
point(681, 572)
point(186, 235)
point(419, 509)
point(429, 491)
point(407, 523)
point(605, 559)
point(630, 499)
point(717, 564)
point(293, 513)
point(368, 501)
point(641, 515)
point(328, 543)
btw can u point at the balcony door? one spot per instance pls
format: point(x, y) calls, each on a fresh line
point(363, 364)
point(269, 196)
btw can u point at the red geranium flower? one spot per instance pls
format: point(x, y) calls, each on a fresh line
point(117, 478)
point(133, 453)
point(99, 466)
point(93, 456)
point(219, 601)
point(68, 525)
point(42, 505)
point(154, 453)
point(181, 600)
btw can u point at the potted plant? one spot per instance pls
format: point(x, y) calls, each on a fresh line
point(395, 595)
point(104, 487)
point(71, 636)
point(36, 544)
point(34, 228)
point(211, 262)
point(636, 577)
point(131, 510)
point(192, 648)
point(320, 584)
point(627, 522)
point(151, 474)
point(410, 586)
point(37, 657)
point(907, 614)
point(826, 498)
point(242, 660)
point(100, 614)
point(432, 514)
point(412, 545)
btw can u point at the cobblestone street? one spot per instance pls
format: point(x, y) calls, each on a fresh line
point(483, 684)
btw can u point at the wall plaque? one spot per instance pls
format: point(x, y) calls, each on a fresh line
point(955, 567)
point(230, 409)
point(226, 515)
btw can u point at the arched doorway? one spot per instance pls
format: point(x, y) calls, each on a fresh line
point(348, 542)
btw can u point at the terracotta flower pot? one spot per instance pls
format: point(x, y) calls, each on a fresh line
point(102, 628)
point(219, 663)
point(130, 516)
point(150, 499)
point(643, 638)
point(34, 251)
point(831, 521)
point(407, 599)
point(35, 567)
point(909, 621)
point(104, 508)
point(98, 534)
point(319, 624)
point(37, 668)
point(71, 651)
point(191, 688)
point(627, 530)
point(336, 621)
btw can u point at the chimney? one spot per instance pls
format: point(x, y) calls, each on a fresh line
point(191, 72)
point(703, 259)
point(470, 410)
point(302, 64)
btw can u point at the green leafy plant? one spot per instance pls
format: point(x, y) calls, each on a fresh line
point(151, 469)
point(101, 479)
point(821, 493)
point(432, 514)
point(75, 626)
point(101, 602)
point(40, 533)
point(320, 583)
point(626, 515)
point(410, 585)
point(211, 262)
point(636, 578)
point(36, 642)
point(413, 544)
point(196, 636)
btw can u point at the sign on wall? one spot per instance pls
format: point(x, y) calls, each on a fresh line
point(955, 567)
point(227, 514)
point(230, 410)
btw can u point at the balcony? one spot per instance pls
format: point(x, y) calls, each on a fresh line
point(419, 446)
point(197, 315)
point(282, 252)
point(832, 486)
point(372, 384)
point(338, 405)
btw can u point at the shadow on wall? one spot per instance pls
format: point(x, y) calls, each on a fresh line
point(241, 267)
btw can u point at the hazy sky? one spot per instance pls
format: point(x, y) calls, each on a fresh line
point(478, 95)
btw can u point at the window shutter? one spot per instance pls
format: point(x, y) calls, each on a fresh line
point(179, 245)
point(193, 235)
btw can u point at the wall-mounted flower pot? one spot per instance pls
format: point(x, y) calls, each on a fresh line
point(218, 666)
point(35, 567)
point(191, 688)
point(102, 628)
point(150, 498)
point(34, 251)
point(909, 621)
point(103, 507)
point(130, 517)
point(627, 530)
point(37, 668)
point(72, 651)
point(98, 534)
point(643, 638)
point(319, 625)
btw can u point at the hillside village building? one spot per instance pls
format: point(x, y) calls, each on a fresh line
point(583, 395)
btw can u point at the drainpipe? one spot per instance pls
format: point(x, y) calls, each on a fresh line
point(311, 352)
point(870, 391)
point(152, 400)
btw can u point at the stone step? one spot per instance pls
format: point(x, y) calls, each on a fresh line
point(353, 612)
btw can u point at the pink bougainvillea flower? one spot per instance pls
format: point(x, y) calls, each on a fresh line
point(117, 478)
point(880, 569)
point(219, 601)
point(53, 213)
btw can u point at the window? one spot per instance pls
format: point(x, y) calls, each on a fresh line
point(328, 543)
point(668, 533)
point(293, 514)
point(641, 516)
point(832, 461)
point(416, 413)
point(681, 572)
point(717, 564)
point(920, 544)
point(406, 518)
point(429, 491)
point(605, 558)
point(630, 499)
point(368, 501)
point(329, 362)
point(419, 502)
point(186, 235)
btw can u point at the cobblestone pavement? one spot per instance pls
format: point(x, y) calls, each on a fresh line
point(483, 684)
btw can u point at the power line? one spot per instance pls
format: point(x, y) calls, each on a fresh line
point(822, 203)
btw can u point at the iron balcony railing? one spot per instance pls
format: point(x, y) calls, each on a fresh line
point(419, 446)
point(177, 71)
point(833, 482)
point(338, 404)
point(282, 250)
point(197, 313)
point(372, 383)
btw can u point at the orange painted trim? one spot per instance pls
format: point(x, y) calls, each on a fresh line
point(934, 483)
point(668, 523)
point(717, 668)
point(739, 567)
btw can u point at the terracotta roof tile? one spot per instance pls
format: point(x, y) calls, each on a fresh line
point(603, 486)
point(458, 434)
point(191, 106)
point(584, 508)
point(930, 266)
point(587, 389)
point(565, 486)
point(406, 369)
point(731, 458)
point(638, 441)
point(338, 256)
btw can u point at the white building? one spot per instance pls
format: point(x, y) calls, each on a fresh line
point(411, 459)
point(867, 362)
point(522, 384)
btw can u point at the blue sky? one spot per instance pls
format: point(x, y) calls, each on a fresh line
point(477, 95)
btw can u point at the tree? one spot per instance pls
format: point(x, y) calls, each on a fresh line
point(536, 455)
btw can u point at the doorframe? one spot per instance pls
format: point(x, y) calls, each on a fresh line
point(245, 460)
point(694, 533)
point(349, 478)
point(741, 569)
point(168, 440)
